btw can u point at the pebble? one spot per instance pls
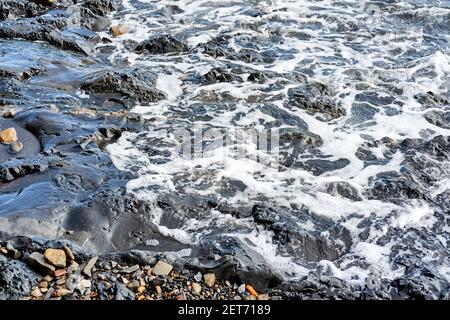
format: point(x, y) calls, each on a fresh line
point(48, 278)
point(56, 257)
point(60, 273)
point(133, 284)
point(3, 250)
point(8, 136)
point(73, 267)
point(15, 147)
point(69, 253)
point(36, 293)
point(89, 266)
point(181, 296)
point(241, 289)
point(140, 289)
point(86, 283)
point(113, 264)
point(263, 297)
point(37, 261)
point(101, 276)
point(43, 284)
point(196, 288)
point(162, 268)
point(118, 30)
point(210, 279)
point(158, 290)
point(130, 269)
point(124, 280)
point(251, 290)
point(60, 282)
point(198, 277)
point(62, 292)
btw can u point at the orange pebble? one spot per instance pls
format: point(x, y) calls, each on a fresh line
point(251, 290)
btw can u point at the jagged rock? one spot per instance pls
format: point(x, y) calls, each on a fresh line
point(15, 168)
point(123, 293)
point(315, 98)
point(343, 189)
point(237, 262)
point(257, 76)
point(13, 9)
point(162, 44)
point(16, 279)
point(431, 100)
point(220, 75)
point(438, 118)
point(101, 7)
point(133, 84)
point(283, 117)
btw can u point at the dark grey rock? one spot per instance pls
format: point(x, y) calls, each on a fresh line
point(130, 84)
point(123, 293)
point(162, 44)
point(315, 98)
point(220, 75)
point(16, 279)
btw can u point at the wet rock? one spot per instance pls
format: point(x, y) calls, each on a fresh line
point(283, 117)
point(420, 283)
point(13, 9)
point(343, 189)
point(16, 279)
point(162, 44)
point(319, 166)
point(220, 75)
point(432, 100)
point(32, 30)
point(257, 76)
point(162, 268)
point(306, 245)
point(15, 168)
point(301, 140)
point(315, 98)
point(129, 84)
point(56, 257)
point(438, 118)
point(394, 187)
point(101, 7)
point(237, 262)
point(15, 147)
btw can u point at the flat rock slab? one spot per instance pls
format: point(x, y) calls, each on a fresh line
point(31, 144)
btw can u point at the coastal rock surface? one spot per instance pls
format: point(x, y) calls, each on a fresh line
point(232, 150)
